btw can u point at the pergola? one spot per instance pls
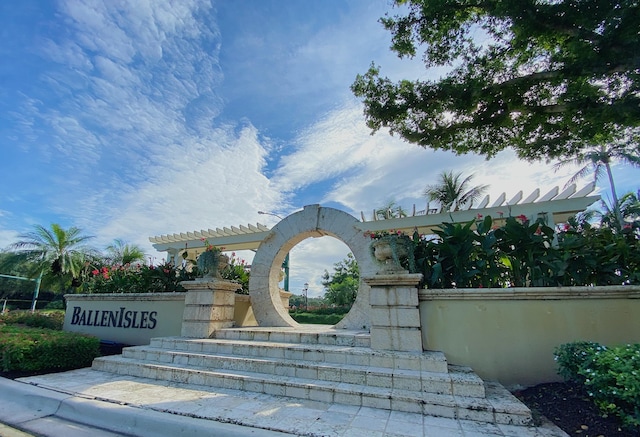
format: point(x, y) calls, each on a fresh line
point(554, 207)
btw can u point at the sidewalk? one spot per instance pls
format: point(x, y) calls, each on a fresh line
point(86, 402)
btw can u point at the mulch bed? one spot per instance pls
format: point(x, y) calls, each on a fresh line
point(571, 409)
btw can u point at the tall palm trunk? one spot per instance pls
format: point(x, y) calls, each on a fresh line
point(614, 196)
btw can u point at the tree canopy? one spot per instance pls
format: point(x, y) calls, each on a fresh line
point(546, 77)
point(342, 285)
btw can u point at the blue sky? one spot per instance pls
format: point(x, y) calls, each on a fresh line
point(137, 118)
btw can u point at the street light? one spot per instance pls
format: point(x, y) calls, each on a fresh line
point(285, 264)
point(305, 290)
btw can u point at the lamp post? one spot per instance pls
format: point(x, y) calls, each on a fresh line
point(305, 290)
point(285, 264)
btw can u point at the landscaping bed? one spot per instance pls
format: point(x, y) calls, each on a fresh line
point(569, 407)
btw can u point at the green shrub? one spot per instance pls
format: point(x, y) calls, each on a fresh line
point(513, 252)
point(34, 349)
point(317, 319)
point(611, 376)
point(55, 305)
point(39, 319)
point(571, 357)
point(328, 310)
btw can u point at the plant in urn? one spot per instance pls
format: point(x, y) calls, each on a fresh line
point(211, 261)
point(392, 249)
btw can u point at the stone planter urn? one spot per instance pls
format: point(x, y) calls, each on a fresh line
point(389, 251)
point(211, 262)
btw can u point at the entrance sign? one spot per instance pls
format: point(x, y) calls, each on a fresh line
point(125, 318)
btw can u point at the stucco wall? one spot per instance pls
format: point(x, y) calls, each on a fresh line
point(509, 335)
point(125, 318)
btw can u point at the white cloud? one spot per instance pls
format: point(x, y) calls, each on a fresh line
point(7, 237)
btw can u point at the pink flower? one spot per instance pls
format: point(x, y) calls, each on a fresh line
point(95, 271)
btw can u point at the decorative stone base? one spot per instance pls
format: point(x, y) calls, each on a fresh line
point(395, 316)
point(208, 306)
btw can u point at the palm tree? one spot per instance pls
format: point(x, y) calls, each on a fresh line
point(453, 191)
point(390, 210)
point(598, 160)
point(629, 209)
point(56, 252)
point(122, 253)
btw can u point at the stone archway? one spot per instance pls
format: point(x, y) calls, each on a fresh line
point(312, 222)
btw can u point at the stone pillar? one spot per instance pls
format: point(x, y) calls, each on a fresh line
point(209, 305)
point(284, 296)
point(395, 317)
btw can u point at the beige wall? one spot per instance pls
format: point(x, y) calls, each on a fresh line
point(243, 313)
point(509, 334)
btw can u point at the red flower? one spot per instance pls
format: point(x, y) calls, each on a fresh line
point(522, 218)
point(95, 271)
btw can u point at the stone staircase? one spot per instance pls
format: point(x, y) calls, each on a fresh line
point(322, 364)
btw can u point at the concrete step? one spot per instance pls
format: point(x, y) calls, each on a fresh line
point(460, 382)
point(319, 353)
point(322, 334)
point(499, 406)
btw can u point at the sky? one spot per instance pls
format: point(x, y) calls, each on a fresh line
point(136, 118)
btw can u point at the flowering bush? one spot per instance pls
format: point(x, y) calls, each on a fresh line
point(237, 271)
point(208, 247)
point(611, 376)
point(376, 235)
point(139, 278)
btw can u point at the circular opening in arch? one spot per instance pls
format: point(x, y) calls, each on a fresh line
point(312, 222)
point(313, 263)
